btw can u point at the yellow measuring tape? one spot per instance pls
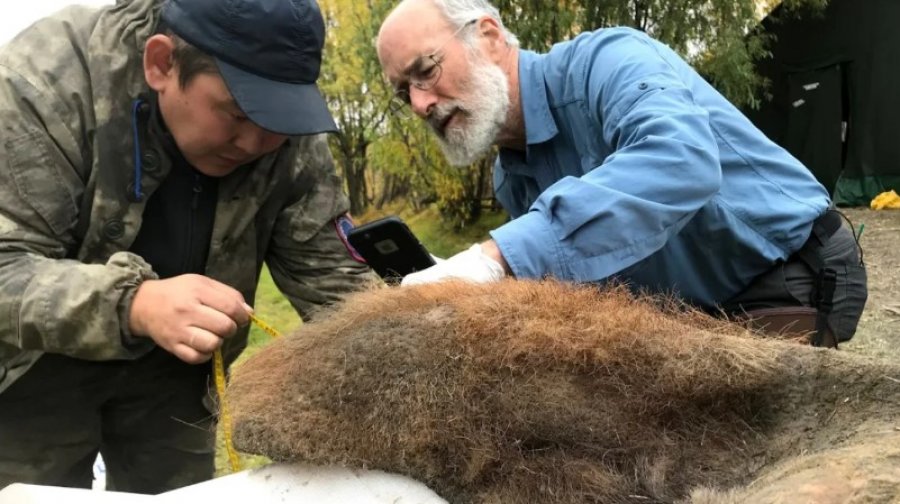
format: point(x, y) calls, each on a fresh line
point(265, 327)
point(224, 414)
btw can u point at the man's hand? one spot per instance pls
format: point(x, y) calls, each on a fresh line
point(481, 263)
point(188, 315)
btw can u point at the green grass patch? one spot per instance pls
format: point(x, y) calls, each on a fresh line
point(442, 240)
point(272, 308)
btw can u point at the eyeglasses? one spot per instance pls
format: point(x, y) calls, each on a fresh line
point(424, 73)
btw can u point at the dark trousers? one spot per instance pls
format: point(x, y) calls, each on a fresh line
point(145, 416)
point(793, 283)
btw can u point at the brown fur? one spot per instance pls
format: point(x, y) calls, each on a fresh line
point(522, 392)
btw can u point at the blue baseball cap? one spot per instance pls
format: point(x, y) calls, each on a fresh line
point(268, 52)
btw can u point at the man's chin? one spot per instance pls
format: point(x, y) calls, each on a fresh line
point(216, 166)
point(458, 155)
point(462, 148)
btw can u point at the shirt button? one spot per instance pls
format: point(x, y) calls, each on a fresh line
point(113, 229)
point(642, 86)
point(150, 160)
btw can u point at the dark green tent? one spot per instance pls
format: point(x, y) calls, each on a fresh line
point(835, 85)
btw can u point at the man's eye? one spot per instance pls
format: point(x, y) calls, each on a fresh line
point(427, 72)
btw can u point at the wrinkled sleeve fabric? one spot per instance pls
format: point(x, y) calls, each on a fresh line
point(50, 303)
point(663, 168)
point(309, 262)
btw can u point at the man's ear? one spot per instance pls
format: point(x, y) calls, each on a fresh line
point(159, 69)
point(491, 36)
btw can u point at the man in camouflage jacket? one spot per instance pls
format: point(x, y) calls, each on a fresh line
point(152, 157)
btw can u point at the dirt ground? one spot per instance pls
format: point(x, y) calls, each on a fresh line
point(879, 330)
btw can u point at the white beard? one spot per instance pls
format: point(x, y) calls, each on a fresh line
point(482, 114)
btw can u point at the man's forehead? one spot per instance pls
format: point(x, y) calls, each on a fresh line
point(403, 44)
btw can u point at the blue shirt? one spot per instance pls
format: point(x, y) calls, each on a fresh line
point(637, 169)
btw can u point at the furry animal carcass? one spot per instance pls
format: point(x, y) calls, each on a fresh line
point(526, 392)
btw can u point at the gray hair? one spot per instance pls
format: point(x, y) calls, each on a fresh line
point(460, 12)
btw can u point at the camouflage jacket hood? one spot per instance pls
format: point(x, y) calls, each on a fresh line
point(68, 214)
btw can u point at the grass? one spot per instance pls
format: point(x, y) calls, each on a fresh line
point(273, 308)
point(442, 240)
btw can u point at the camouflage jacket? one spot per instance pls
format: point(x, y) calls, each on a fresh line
point(67, 85)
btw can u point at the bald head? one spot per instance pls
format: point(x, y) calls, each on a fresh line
point(405, 10)
point(432, 14)
point(407, 23)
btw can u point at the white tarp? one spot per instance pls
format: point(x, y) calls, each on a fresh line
point(275, 483)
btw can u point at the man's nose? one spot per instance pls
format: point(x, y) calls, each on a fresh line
point(422, 101)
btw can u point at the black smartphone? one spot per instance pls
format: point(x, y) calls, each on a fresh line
point(390, 248)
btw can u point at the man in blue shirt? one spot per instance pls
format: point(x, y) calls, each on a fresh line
point(618, 161)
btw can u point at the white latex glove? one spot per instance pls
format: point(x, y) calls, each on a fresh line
point(472, 265)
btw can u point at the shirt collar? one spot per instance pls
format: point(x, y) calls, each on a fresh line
point(540, 125)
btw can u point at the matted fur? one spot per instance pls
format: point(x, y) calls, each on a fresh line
point(522, 392)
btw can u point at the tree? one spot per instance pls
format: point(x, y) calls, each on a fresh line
point(351, 82)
